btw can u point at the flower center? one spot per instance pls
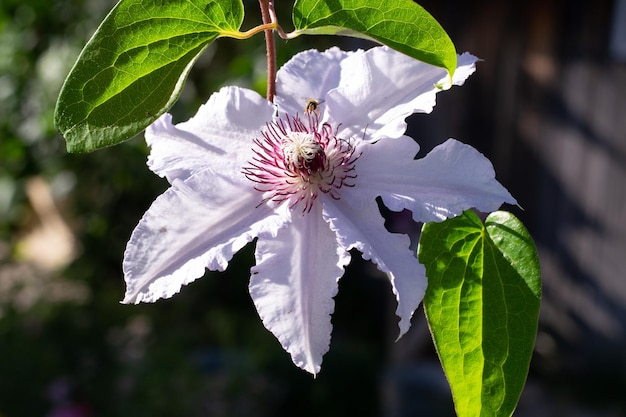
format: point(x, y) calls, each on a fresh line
point(302, 150)
point(296, 161)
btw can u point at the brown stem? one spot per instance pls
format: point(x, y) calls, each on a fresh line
point(271, 50)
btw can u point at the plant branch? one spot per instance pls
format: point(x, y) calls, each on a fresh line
point(267, 12)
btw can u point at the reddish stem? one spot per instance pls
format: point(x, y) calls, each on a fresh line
point(271, 50)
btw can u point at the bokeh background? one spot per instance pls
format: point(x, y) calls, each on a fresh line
point(547, 106)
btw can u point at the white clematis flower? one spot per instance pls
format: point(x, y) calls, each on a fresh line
point(304, 179)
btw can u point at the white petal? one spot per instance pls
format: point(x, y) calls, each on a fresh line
point(465, 66)
point(359, 224)
point(452, 178)
point(381, 87)
point(196, 224)
point(219, 135)
point(293, 285)
point(308, 75)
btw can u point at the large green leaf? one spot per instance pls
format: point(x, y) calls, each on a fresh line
point(133, 68)
point(400, 24)
point(482, 305)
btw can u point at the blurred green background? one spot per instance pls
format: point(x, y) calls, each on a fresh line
point(64, 223)
point(65, 220)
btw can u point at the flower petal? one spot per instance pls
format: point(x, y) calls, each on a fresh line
point(452, 178)
point(359, 224)
point(308, 75)
point(196, 224)
point(221, 133)
point(293, 285)
point(381, 87)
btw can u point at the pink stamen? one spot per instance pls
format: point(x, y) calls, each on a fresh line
point(296, 162)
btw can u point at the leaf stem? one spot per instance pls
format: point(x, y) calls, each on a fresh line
point(269, 17)
point(249, 33)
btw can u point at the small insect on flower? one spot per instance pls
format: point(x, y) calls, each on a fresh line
point(312, 105)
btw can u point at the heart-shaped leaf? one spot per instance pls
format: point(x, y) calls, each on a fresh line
point(482, 305)
point(400, 24)
point(134, 67)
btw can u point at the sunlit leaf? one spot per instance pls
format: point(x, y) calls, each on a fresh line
point(134, 67)
point(482, 305)
point(400, 24)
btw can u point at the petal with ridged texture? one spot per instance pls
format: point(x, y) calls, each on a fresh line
point(293, 285)
point(220, 135)
point(453, 177)
point(308, 75)
point(380, 88)
point(359, 224)
point(196, 224)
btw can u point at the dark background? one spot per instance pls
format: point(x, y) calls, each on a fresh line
point(547, 106)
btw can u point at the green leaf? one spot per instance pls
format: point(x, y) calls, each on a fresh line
point(134, 67)
point(401, 24)
point(482, 305)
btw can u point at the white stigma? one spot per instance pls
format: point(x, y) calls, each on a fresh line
point(300, 149)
